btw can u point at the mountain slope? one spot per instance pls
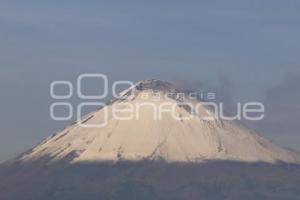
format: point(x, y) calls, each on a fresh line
point(153, 135)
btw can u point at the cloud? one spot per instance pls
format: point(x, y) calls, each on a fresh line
point(281, 101)
point(223, 89)
point(282, 107)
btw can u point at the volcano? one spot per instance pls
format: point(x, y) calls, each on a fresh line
point(155, 142)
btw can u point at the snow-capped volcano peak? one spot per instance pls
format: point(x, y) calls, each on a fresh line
point(137, 130)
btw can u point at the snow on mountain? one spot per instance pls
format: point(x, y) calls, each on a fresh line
point(148, 138)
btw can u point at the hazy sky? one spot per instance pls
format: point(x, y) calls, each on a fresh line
point(254, 44)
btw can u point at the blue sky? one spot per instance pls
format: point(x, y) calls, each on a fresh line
point(255, 44)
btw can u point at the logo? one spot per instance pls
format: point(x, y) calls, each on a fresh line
point(161, 103)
